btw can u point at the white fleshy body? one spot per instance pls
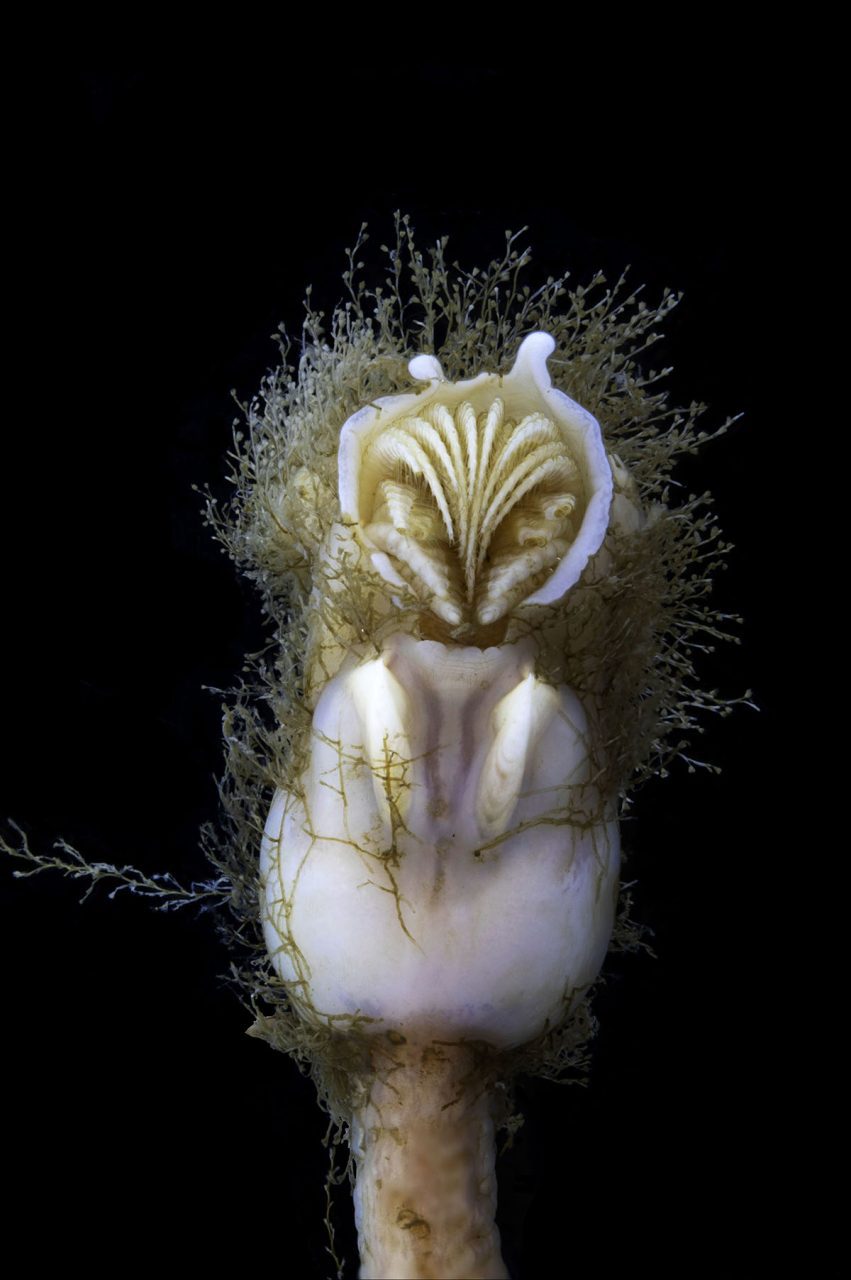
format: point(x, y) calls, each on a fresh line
point(445, 872)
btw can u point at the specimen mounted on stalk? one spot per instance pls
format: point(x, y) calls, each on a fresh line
point(484, 602)
point(457, 510)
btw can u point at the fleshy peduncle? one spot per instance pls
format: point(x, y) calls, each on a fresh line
point(425, 1189)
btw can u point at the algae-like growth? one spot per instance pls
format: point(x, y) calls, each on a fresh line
point(629, 640)
point(634, 633)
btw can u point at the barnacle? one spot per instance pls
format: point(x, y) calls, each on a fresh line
point(447, 782)
point(485, 609)
point(485, 613)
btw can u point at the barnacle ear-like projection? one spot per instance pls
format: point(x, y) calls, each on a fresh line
point(450, 797)
point(478, 495)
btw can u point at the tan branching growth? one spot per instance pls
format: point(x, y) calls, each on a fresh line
point(632, 634)
point(628, 640)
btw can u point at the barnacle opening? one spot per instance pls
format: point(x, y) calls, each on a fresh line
point(474, 509)
point(478, 498)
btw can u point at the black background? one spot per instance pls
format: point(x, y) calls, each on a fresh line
point(169, 220)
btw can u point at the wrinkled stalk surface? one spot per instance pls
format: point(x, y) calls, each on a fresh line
point(425, 1193)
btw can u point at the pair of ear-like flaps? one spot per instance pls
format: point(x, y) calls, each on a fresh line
point(387, 715)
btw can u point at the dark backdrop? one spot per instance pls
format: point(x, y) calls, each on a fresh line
point(169, 221)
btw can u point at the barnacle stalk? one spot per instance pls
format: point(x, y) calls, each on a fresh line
point(425, 1195)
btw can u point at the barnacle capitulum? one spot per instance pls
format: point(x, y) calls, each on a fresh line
point(449, 788)
point(479, 495)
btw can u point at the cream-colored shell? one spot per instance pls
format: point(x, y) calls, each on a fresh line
point(448, 868)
